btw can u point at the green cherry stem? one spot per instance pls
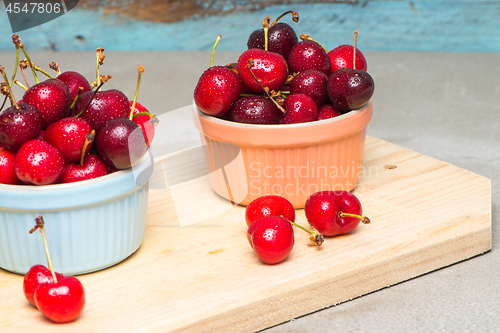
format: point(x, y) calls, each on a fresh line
point(88, 104)
point(295, 17)
point(21, 45)
point(15, 40)
point(265, 25)
point(213, 50)
point(39, 225)
point(315, 239)
point(80, 89)
point(89, 138)
point(307, 37)
point(355, 40)
point(37, 68)
point(11, 95)
point(140, 69)
point(99, 60)
point(55, 66)
point(364, 219)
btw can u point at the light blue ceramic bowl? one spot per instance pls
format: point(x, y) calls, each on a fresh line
point(89, 225)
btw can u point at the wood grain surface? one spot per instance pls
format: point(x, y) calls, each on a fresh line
point(426, 214)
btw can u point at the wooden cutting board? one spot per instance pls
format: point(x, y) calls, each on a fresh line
point(203, 276)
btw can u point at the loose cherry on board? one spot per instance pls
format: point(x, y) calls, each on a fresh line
point(37, 275)
point(269, 205)
point(334, 212)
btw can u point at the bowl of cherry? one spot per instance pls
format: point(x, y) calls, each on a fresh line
point(288, 118)
point(78, 155)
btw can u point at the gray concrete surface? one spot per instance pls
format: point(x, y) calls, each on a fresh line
point(441, 105)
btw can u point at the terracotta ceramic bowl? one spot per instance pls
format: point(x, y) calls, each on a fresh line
point(246, 161)
point(89, 225)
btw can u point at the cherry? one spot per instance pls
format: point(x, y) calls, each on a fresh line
point(350, 89)
point(74, 81)
point(217, 88)
point(308, 54)
point(299, 108)
point(269, 205)
point(342, 56)
point(102, 107)
point(254, 110)
point(19, 125)
point(146, 121)
point(52, 98)
point(38, 162)
point(272, 238)
point(121, 143)
point(327, 111)
point(311, 82)
point(7, 170)
point(68, 135)
point(37, 275)
point(93, 166)
point(62, 299)
point(334, 212)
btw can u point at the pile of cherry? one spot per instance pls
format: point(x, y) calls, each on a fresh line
point(66, 129)
point(280, 80)
point(271, 218)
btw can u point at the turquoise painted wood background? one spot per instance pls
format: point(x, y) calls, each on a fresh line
point(383, 25)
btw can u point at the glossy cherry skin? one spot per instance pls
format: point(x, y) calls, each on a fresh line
point(300, 108)
point(308, 54)
point(342, 56)
point(74, 81)
point(37, 275)
point(217, 89)
point(19, 125)
point(144, 121)
point(327, 111)
point(269, 205)
point(281, 39)
point(272, 238)
point(270, 69)
point(61, 302)
point(39, 163)
point(322, 212)
point(311, 82)
point(254, 110)
point(350, 89)
point(93, 166)
point(68, 135)
point(7, 170)
point(52, 98)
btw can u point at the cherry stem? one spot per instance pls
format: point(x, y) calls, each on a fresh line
point(99, 60)
point(20, 85)
point(213, 50)
point(3, 104)
point(315, 239)
point(266, 91)
point(43, 72)
point(88, 104)
point(265, 25)
point(145, 113)
point(55, 66)
point(89, 138)
point(39, 225)
point(15, 67)
point(21, 45)
point(295, 17)
point(355, 40)
point(80, 89)
point(11, 95)
point(307, 37)
point(364, 219)
point(140, 69)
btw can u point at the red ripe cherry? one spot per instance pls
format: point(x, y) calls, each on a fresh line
point(327, 111)
point(281, 39)
point(270, 69)
point(269, 205)
point(308, 54)
point(105, 105)
point(334, 212)
point(217, 89)
point(93, 166)
point(68, 135)
point(144, 121)
point(350, 89)
point(300, 108)
point(342, 56)
point(254, 110)
point(38, 162)
point(74, 81)
point(18, 126)
point(62, 301)
point(272, 238)
point(7, 171)
point(37, 275)
point(52, 98)
point(311, 82)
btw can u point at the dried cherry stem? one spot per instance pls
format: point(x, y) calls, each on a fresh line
point(88, 104)
point(213, 50)
point(39, 225)
point(23, 64)
point(80, 89)
point(265, 25)
point(20, 85)
point(315, 239)
point(99, 60)
point(295, 17)
point(37, 68)
point(307, 37)
point(355, 40)
point(21, 45)
point(266, 91)
point(9, 90)
point(102, 79)
point(140, 70)
point(55, 66)
point(89, 138)
point(363, 219)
